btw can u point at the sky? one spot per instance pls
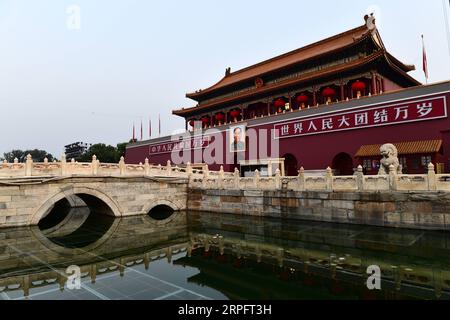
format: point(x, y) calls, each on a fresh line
point(64, 79)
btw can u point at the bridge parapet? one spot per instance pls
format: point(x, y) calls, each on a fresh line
point(95, 168)
point(327, 182)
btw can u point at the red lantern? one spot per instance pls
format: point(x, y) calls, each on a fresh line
point(358, 86)
point(328, 92)
point(206, 121)
point(302, 100)
point(234, 114)
point(219, 117)
point(192, 123)
point(279, 103)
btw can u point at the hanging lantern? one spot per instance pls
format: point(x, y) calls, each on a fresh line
point(192, 123)
point(328, 93)
point(219, 117)
point(235, 114)
point(358, 86)
point(302, 100)
point(206, 121)
point(279, 104)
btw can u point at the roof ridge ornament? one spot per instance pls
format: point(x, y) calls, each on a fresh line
point(370, 22)
point(227, 71)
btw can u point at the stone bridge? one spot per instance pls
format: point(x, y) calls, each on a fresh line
point(29, 191)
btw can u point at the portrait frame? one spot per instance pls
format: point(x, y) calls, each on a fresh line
point(240, 145)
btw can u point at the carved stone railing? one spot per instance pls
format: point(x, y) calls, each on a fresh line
point(63, 168)
point(358, 182)
point(206, 179)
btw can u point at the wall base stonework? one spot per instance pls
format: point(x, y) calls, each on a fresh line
point(412, 210)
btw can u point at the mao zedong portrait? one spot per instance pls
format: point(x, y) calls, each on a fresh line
point(238, 136)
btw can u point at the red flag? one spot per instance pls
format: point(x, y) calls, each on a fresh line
point(425, 62)
point(142, 131)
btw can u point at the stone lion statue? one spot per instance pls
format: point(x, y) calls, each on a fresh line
point(390, 158)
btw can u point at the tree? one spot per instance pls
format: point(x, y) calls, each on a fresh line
point(36, 154)
point(104, 153)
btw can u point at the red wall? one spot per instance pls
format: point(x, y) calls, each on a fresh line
point(317, 151)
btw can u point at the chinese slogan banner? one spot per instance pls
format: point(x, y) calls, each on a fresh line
point(370, 116)
point(179, 146)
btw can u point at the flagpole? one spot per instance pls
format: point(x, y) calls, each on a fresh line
point(424, 60)
point(149, 127)
point(446, 4)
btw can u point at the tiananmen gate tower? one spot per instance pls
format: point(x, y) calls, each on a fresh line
point(331, 103)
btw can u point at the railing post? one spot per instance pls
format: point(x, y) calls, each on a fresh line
point(432, 182)
point(94, 165)
point(122, 166)
point(146, 167)
point(29, 166)
point(278, 179)
point(301, 179)
point(189, 173)
point(221, 177)
point(188, 168)
point(360, 178)
point(205, 177)
point(392, 178)
point(329, 179)
point(256, 179)
point(237, 177)
point(169, 168)
point(63, 164)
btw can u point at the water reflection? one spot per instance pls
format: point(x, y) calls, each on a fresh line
point(209, 256)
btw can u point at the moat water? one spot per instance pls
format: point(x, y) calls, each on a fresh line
point(192, 256)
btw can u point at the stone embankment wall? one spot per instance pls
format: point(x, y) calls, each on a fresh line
point(416, 210)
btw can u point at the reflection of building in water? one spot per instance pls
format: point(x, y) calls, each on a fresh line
point(413, 264)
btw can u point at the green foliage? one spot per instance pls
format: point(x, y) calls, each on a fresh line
point(36, 154)
point(104, 153)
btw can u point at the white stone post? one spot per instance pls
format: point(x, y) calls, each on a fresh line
point(122, 166)
point(221, 177)
point(46, 162)
point(360, 178)
point(16, 160)
point(329, 179)
point(146, 167)
point(278, 179)
point(301, 179)
point(205, 177)
point(29, 166)
point(169, 168)
point(256, 179)
point(237, 177)
point(392, 178)
point(432, 181)
point(94, 165)
point(188, 168)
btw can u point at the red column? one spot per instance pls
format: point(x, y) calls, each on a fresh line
point(314, 97)
point(268, 108)
point(342, 93)
point(374, 84)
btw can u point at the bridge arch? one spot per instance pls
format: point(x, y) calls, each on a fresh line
point(175, 207)
point(86, 194)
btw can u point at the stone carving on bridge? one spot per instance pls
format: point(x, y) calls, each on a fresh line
point(390, 158)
